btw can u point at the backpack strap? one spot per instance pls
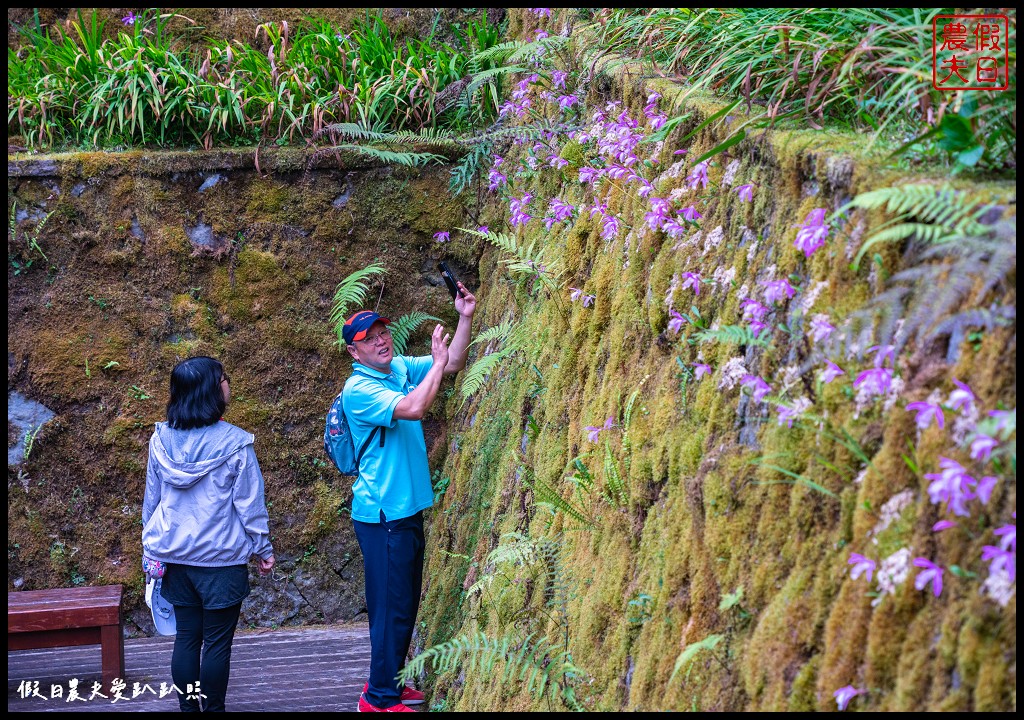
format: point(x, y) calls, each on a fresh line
point(366, 444)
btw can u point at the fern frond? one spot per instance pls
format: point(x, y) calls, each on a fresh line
point(733, 335)
point(615, 493)
point(484, 77)
point(468, 168)
point(411, 159)
point(937, 214)
point(687, 656)
point(477, 374)
point(351, 291)
point(528, 50)
point(497, 332)
point(501, 241)
point(546, 496)
point(404, 326)
point(531, 660)
point(497, 53)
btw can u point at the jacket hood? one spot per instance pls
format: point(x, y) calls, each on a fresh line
point(184, 457)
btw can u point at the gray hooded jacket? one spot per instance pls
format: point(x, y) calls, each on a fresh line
point(204, 497)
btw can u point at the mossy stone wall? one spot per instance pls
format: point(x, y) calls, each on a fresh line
point(678, 535)
point(154, 257)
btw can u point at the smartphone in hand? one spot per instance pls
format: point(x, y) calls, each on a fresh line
point(449, 279)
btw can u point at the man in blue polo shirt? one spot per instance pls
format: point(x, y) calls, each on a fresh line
point(388, 396)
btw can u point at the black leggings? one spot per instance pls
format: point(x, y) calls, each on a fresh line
point(213, 631)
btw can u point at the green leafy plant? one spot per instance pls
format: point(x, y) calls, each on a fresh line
point(866, 68)
point(532, 661)
point(510, 338)
point(690, 653)
point(733, 335)
point(924, 212)
point(404, 326)
point(352, 291)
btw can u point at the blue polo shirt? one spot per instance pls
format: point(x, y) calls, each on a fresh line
point(394, 478)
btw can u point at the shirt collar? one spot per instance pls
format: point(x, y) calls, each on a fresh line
point(367, 370)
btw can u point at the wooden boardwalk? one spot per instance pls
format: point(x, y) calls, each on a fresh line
point(309, 669)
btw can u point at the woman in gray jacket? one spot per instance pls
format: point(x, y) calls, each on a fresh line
point(203, 517)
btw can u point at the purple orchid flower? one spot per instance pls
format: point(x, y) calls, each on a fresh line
point(567, 101)
point(926, 412)
point(673, 228)
point(831, 372)
point(875, 381)
point(676, 323)
point(692, 281)
point(821, 329)
point(701, 369)
point(757, 386)
point(129, 19)
point(943, 525)
point(483, 229)
point(812, 233)
point(983, 490)
point(778, 290)
point(609, 227)
point(558, 78)
point(588, 300)
point(541, 12)
point(962, 398)
point(952, 486)
point(561, 210)
point(788, 414)
point(1000, 560)
point(1008, 533)
point(930, 573)
point(442, 236)
point(982, 447)
point(690, 214)
point(883, 353)
point(495, 179)
point(861, 566)
point(844, 695)
point(745, 192)
point(575, 294)
point(753, 310)
point(589, 174)
point(699, 176)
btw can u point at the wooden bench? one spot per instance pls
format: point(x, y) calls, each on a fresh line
point(69, 616)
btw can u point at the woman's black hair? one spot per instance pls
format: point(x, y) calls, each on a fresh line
point(197, 399)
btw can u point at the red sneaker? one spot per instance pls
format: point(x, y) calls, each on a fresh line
point(367, 707)
point(410, 695)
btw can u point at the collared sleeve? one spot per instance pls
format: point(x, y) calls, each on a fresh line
point(370, 403)
point(247, 497)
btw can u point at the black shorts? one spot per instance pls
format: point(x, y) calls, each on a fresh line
point(212, 588)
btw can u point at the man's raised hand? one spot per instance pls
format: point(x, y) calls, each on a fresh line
point(439, 345)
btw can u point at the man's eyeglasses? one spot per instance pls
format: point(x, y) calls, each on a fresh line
point(224, 378)
point(382, 336)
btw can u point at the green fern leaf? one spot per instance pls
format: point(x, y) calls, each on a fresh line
point(498, 332)
point(688, 655)
point(477, 374)
point(404, 326)
point(350, 292)
point(410, 159)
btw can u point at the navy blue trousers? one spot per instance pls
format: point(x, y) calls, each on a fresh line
point(393, 566)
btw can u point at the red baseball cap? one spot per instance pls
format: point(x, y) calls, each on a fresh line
point(357, 325)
